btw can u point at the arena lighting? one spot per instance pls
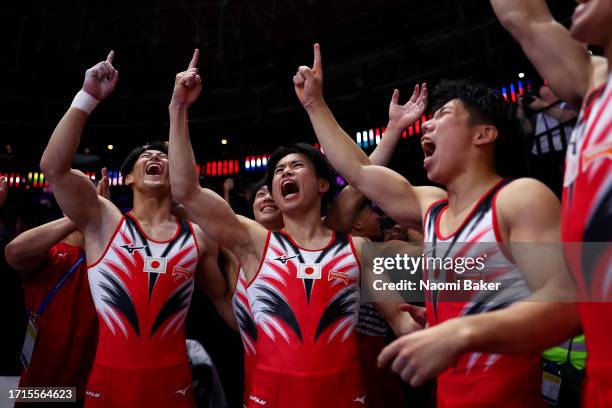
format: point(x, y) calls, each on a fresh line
point(512, 93)
point(220, 168)
point(109, 147)
point(255, 163)
point(214, 168)
point(521, 75)
point(365, 138)
point(223, 141)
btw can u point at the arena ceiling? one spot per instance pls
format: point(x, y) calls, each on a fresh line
point(250, 50)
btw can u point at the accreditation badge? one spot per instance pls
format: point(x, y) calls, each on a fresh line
point(28, 343)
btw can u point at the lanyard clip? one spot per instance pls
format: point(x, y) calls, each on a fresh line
point(34, 316)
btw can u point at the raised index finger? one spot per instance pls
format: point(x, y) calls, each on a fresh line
point(316, 65)
point(110, 57)
point(194, 60)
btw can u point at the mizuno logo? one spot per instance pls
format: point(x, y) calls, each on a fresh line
point(131, 249)
point(360, 399)
point(257, 400)
point(284, 259)
point(182, 391)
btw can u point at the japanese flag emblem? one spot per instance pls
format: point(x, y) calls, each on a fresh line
point(309, 271)
point(155, 265)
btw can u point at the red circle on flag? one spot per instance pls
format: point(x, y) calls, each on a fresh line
point(309, 270)
point(155, 264)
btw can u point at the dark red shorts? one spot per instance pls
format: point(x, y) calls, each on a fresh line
point(158, 387)
point(271, 388)
point(510, 386)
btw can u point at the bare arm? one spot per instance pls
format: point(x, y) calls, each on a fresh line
point(531, 213)
point(389, 190)
point(207, 208)
point(210, 277)
point(400, 118)
point(549, 47)
point(562, 115)
point(344, 210)
point(389, 303)
point(73, 190)
point(527, 213)
point(28, 250)
point(229, 264)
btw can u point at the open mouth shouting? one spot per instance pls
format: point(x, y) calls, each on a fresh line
point(154, 168)
point(429, 148)
point(289, 189)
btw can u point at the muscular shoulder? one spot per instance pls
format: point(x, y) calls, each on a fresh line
point(599, 74)
point(206, 245)
point(358, 242)
point(528, 206)
point(525, 192)
point(429, 195)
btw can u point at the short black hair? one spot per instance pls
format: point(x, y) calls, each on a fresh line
point(321, 165)
point(485, 106)
point(132, 157)
point(254, 189)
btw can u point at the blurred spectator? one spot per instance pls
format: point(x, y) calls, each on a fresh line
point(234, 197)
point(391, 231)
point(550, 116)
point(61, 338)
point(383, 388)
point(367, 223)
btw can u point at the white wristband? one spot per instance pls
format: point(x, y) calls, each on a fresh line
point(84, 102)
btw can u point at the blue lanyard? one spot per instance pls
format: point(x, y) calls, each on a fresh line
point(57, 287)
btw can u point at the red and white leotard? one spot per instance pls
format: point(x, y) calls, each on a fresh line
point(246, 325)
point(587, 217)
point(304, 305)
point(479, 379)
point(142, 290)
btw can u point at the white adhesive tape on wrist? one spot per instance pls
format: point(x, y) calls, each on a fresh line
point(84, 102)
